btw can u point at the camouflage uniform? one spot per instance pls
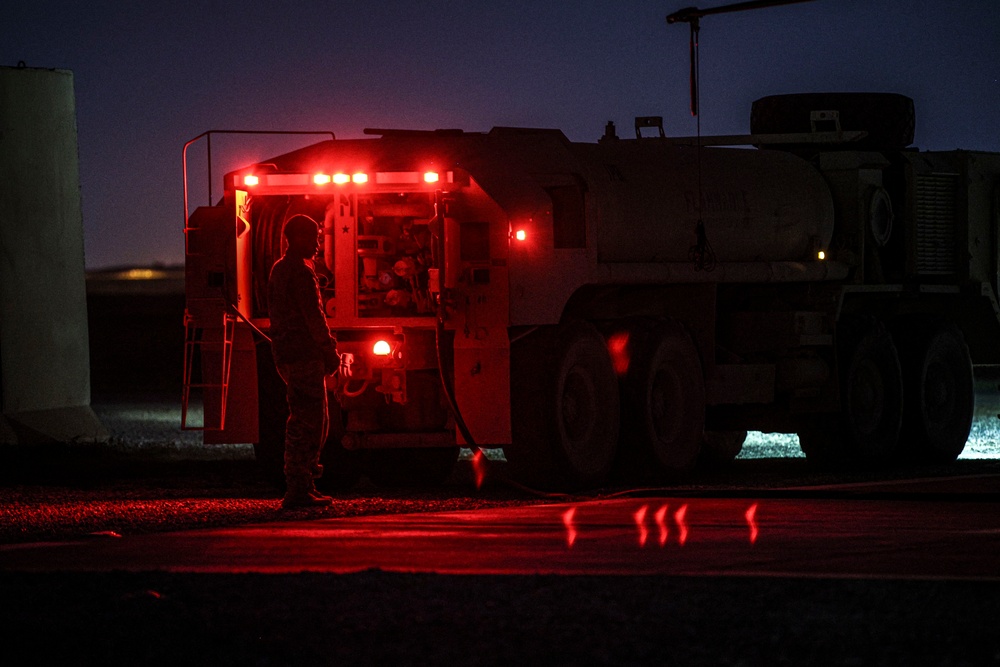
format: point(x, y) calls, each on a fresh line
point(304, 353)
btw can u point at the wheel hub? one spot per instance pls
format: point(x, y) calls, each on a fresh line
point(868, 397)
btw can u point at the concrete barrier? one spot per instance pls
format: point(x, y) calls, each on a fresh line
point(44, 363)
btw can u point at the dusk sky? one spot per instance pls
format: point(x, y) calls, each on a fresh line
point(151, 75)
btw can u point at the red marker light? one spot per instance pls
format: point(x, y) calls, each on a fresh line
point(382, 349)
point(520, 235)
point(679, 517)
point(618, 349)
point(431, 177)
point(340, 179)
point(321, 179)
point(751, 516)
point(250, 179)
point(567, 518)
point(360, 177)
point(640, 522)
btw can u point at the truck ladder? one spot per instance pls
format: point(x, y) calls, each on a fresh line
point(213, 347)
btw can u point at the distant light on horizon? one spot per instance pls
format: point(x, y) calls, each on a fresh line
point(141, 274)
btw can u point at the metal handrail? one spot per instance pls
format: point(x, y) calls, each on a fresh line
point(209, 134)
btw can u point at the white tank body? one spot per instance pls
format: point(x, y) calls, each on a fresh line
point(756, 205)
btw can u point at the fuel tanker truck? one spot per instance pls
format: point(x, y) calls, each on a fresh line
point(626, 307)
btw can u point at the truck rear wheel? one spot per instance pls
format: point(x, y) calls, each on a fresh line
point(940, 391)
point(564, 405)
point(662, 399)
point(720, 448)
point(867, 430)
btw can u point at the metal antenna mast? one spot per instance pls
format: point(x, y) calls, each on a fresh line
point(692, 16)
point(701, 252)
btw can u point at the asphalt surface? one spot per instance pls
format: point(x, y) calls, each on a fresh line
point(777, 537)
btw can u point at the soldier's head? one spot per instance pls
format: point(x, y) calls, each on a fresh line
point(302, 234)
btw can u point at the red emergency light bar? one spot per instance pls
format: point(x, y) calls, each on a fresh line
point(405, 178)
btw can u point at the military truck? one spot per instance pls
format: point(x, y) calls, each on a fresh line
point(630, 306)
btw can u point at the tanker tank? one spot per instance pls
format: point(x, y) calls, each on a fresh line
point(757, 205)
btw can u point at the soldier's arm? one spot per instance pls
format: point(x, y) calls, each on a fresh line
point(308, 301)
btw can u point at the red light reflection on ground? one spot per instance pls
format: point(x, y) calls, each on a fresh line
point(479, 467)
point(661, 519)
point(618, 349)
point(751, 515)
point(567, 518)
point(661, 522)
point(682, 529)
point(640, 522)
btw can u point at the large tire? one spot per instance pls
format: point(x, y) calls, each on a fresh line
point(866, 433)
point(940, 391)
point(662, 399)
point(888, 118)
point(564, 405)
point(720, 448)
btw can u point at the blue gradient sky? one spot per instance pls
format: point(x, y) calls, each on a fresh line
point(151, 75)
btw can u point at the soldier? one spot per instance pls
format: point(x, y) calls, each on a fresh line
point(305, 352)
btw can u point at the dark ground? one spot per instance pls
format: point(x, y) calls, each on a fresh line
point(377, 618)
point(424, 619)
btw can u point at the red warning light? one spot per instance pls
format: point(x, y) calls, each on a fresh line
point(751, 516)
point(520, 235)
point(567, 518)
point(431, 177)
point(618, 349)
point(321, 179)
point(341, 179)
point(679, 519)
point(250, 179)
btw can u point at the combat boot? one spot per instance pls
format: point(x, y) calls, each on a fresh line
point(300, 496)
point(318, 495)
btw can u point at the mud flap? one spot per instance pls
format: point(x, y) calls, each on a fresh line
point(482, 389)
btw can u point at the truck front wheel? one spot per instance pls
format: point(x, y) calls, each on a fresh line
point(564, 404)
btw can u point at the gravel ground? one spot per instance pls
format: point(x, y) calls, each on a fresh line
point(154, 477)
point(186, 495)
